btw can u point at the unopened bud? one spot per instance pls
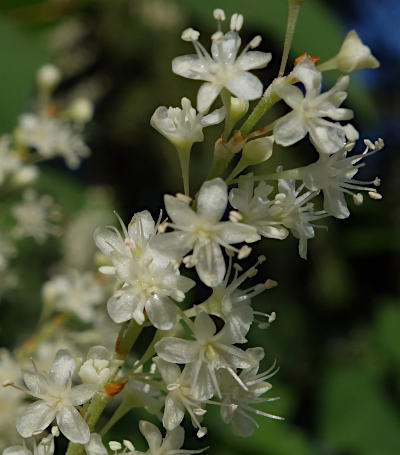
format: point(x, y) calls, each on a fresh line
point(354, 55)
point(258, 150)
point(48, 77)
point(81, 110)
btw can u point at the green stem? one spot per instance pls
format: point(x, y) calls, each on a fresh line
point(240, 166)
point(126, 337)
point(330, 64)
point(293, 14)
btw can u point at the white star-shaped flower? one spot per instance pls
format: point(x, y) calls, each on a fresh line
point(309, 110)
point(57, 400)
point(224, 67)
point(203, 231)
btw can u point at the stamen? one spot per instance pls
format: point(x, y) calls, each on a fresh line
point(162, 227)
point(190, 35)
point(236, 22)
point(255, 42)
point(377, 181)
point(244, 252)
point(55, 431)
point(219, 14)
point(128, 445)
point(115, 445)
point(375, 195)
point(217, 36)
point(358, 198)
point(202, 432)
point(269, 284)
point(235, 216)
point(199, 411)
point(369, 144)
point(171, 387)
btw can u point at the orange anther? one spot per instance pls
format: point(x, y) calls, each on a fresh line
point(52, 110)
point(112, 388)
point(305, 55)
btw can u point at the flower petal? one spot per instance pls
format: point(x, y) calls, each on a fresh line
point(292, 95)
point(204, 327)
point(212, 200)
point(311, 78)
point(121, 308)
point(214, 117)
point(141, 225)
point(16, 450)
point(82, 393)
point(36, 382)
point(335, 203)
point(162, 312)
point(173, 413)
point(245, 85)
point(37, 416)
point(174, 439)
point(62, 368)
point(151, 433)
point(95, 446)
point(230, 232)
point(224, 51)
point(190, 66)
point(290, 129)
point(179, 212)
point(206, 95)
point(176, 350)
point(210, 263)
point(72, 425)
point(327, 137)
point(254, 59)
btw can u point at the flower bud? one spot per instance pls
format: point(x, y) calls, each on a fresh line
point(81, 110)
point(48, 77)
point(239, 108)
point(258, 150)
point(354, 55)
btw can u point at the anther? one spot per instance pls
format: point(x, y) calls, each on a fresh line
point(217, 36)
point(128, 445)
point(235, 216)
point(369, 144)
point(115, 445)
point(358, 198)
point(377, 181)
point(190, 34)
point(255, 42)
point(183, 198)
point(171, 387)
point(7, 383)
point(199, 411)
point(162, 227)
point(55, 431)
point(269, 284)
point(236, 22)
point(202, 432)
point(272, 317)
point(244, 252)
point(219, 14)
point(375, 195)
point(189, 261)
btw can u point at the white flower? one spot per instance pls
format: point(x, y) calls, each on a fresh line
point(149, 277)
point(48, 77)
point(334, 176)
point(34, 216)
point(203, 232)
point(45, 446)
point(52, 137)
point(57, 400)
point(295, 212)
point(223, 68)
point(98, 366)
point(236, 401)
point(209, 352)
point(179, 397)
point(310, 109)
point(74, 291)
point(354, 55)
point(255, 208)
point(183, 126)
point(170, 445)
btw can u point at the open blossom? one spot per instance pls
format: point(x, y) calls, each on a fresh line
point(334, 176)
point(224, 67)
point(236, 401)
point(170, 445)
point(77, 292)
point(209, 352)
point(309, 110)
point(295, 211)
point(52, 137)
point(203, 231)
point(45, 446)
point(57, 400)
point(179, 398)
point(254, 207)
point(150, 278)
point(183, 126)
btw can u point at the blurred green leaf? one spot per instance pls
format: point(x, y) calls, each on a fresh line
point(21, 54)
point(356, 415)
point(388, 332)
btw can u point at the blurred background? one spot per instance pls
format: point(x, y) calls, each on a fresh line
point(337, 334)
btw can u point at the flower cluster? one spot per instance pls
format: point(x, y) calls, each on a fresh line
point(198, 356)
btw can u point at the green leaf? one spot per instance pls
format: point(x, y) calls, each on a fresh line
point(356, 415)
